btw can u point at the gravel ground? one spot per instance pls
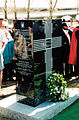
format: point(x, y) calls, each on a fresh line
point(8, 88)
point(73, 82)
point(3, 118)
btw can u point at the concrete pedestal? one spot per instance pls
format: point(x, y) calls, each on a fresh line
point(11, 108)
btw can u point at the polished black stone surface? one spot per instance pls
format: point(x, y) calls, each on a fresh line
point(34, 43)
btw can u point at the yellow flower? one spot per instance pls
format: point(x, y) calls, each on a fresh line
point(64, 82)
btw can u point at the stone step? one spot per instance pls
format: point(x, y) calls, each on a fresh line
point(11, 108)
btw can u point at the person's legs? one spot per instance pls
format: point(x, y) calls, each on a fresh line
point(1, 94)
point(5, 71)
point(0, 78)
point(10, 74)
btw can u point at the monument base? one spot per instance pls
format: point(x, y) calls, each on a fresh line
point(11, 108)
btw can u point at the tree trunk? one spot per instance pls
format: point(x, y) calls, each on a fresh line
point(28, 10)
point(77, 6)
point(5, 9)
point(50, 9)
point(15, 10)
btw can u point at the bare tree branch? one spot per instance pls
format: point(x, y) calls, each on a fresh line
point(52, 9)
point(54, 5)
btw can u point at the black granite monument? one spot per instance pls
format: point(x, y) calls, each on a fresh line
point(34, 44)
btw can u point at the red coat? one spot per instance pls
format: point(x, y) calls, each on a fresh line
point(73, 49)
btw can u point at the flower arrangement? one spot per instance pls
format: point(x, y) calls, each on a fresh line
point(56, 88)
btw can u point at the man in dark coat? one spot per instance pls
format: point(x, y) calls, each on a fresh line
point(65, 48)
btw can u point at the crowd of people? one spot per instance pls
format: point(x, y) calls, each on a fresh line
point(70, 49)
point(7, 52)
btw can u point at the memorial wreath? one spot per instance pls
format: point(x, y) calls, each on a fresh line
point(56, 87)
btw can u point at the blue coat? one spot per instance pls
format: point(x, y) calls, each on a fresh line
point(9, 52)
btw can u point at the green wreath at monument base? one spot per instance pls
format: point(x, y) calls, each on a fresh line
point(56, 88)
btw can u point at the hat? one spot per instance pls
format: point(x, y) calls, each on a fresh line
point(77, 17)
point(66, 18)
point(4, 23)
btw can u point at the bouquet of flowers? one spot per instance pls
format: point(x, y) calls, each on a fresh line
point(56, 88)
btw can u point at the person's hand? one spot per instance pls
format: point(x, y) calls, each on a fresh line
point(13, 58)
point(29, 44)
point(3, 60)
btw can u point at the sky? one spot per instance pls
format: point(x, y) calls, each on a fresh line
point(60, 4)
point(41, 3)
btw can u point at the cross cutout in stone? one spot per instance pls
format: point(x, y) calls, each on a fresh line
point(47, 44)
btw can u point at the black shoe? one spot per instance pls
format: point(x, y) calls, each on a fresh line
point(4, 80)
point(67, 76)
point(10, 79)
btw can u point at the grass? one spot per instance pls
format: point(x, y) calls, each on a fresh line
point(70, 113)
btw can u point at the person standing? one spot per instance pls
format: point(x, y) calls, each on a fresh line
point(2, 46)
point(65, 49)
point(8, 54)
point(74, 47)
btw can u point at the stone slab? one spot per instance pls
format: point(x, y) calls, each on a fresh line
point(11, 108)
